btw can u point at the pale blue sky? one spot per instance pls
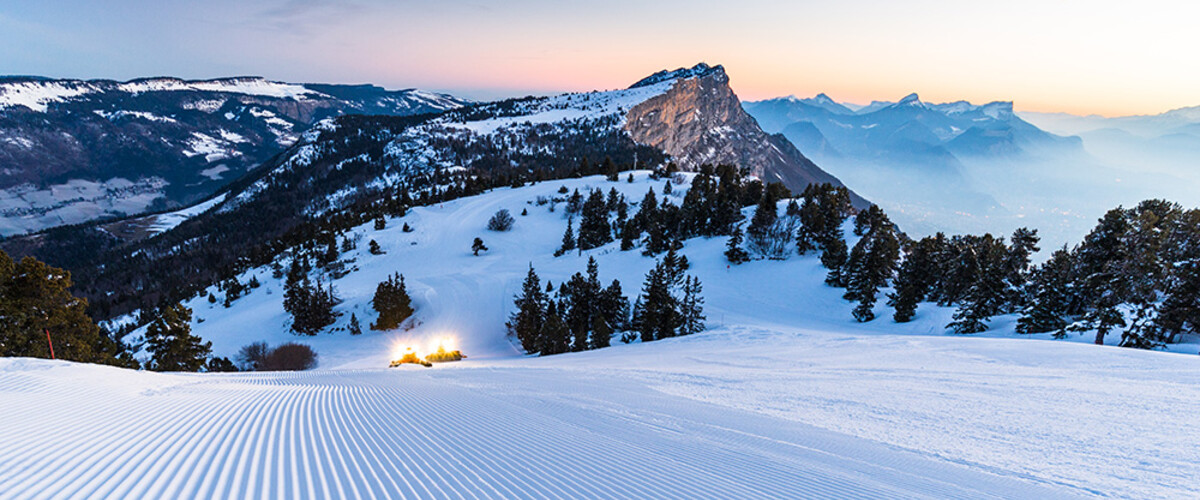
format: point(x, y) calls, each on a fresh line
point(1103, 57)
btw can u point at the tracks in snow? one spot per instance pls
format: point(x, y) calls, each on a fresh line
point(453, 433)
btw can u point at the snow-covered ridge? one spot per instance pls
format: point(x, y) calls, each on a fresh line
point(243, 85)
point(581, 106)
point(166, 222)
point(566, 107)
point(433, 99)
point(117, 115)
point(37, 94)
point(700, 69)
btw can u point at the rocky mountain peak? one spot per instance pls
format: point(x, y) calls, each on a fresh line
point(700, 120)
point(699, 70)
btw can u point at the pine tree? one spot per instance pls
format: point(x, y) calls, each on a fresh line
point(614, 306)
point(574, 203)
point(691, 308)
point(833, 258)
point(555, 336)
point(824, 209)
point(1017, 266)
point(656, 240)
point(218, 365)
point(629, 236)
point(613, 201)
point(171, 344)
point(311, 305)
point(1180, 310)
point(872, 263)
point(373, 248)
point(601, 333)
point(986, 294)
point(1103, 285)
point(355, 327)
point(646, 211)
point(765, 215)
point(733, 249)
point(611, 172)
point(478, 246)
point(916, 279)
point(657, 314)
point(568, 239)
point(1047, 311)
point(581, 304)
point(527, 322)
point(594, 230)
point(392, 302)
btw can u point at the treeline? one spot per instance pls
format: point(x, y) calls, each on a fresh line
point(711, 207)
point(581, 314)
point(1137, 272)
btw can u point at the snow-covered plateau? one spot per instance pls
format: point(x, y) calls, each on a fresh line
point(784, 396)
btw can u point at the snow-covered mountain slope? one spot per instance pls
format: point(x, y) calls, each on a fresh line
point(469, 297)
point(669, 420)
point(73, 151)
point(691, 118)
point(785, 395)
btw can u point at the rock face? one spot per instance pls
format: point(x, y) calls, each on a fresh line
point(700, 120)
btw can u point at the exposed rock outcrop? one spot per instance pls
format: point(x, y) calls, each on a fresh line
point(700, 120)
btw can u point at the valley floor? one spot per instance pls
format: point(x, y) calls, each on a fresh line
point(736, 412)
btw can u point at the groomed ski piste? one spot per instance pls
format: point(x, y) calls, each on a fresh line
point(784, 396)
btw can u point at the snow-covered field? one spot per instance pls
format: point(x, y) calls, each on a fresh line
point(785, 396)
point(28, 208)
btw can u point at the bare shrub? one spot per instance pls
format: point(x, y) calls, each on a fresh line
point(290, 356)
point(502, 221)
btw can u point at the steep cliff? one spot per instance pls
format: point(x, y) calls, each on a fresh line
point(700, 120)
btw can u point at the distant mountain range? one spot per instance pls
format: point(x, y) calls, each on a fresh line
point(908, 128)
point(73, 151)
point(920, 161)
point(1167, 143)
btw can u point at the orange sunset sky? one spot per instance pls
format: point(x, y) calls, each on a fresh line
point(1109, 58)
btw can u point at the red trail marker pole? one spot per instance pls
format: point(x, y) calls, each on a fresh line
point(51, 342)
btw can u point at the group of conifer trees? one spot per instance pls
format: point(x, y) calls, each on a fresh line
point(580, 314)
point(670, 304)
point(392, 302)
point(1137, 272)
point(982, 275)
point(711, 207)
point(310, 303)
point(37, 310)
point(39, 317)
